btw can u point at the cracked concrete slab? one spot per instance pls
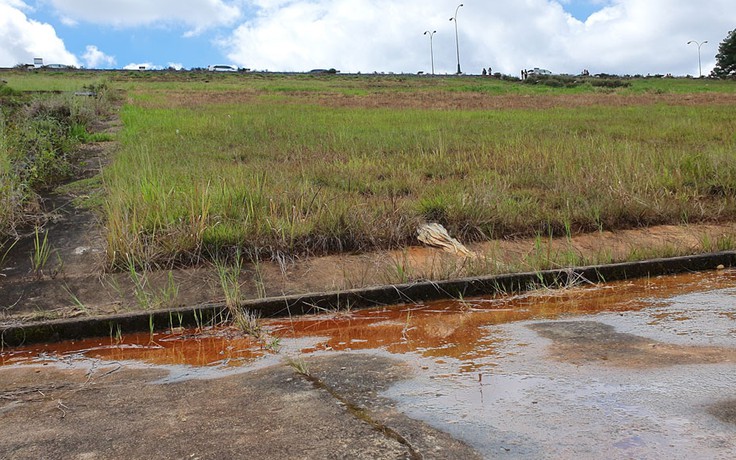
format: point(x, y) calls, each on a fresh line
point(110, 412)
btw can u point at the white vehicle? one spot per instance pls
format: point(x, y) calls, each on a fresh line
point(538, 71)
point(222, 68)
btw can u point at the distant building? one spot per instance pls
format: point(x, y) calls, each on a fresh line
point(38, 62)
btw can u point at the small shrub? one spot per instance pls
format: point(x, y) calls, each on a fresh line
point(610, 83)
point(6, 90)
point(553, 81)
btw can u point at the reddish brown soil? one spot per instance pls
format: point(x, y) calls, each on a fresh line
point(445, 100)
point(480, 101)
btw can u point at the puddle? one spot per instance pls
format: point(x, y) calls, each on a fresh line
point(622, 370)
point(461, 332)
point(531, 409)
point(213, 348)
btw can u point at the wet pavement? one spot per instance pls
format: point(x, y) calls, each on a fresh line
point(638, 369)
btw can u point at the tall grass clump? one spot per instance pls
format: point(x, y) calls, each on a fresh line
point(229, 272)
point(291, 177)
point(12, 195)
point(38, 141)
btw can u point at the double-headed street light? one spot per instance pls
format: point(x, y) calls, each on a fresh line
point(431, 47)
point(700, 67)
point(457, 41)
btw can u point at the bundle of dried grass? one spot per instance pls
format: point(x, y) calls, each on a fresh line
point(436, 235)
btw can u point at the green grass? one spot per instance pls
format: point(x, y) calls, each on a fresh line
point(284, 172)
point(305, 178)
point(153, 81)
point(42, 80)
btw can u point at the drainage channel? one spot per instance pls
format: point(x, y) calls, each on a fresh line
point(444, 331)
point(290, 306)
point(642, 368)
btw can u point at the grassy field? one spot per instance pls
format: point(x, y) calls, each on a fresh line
point(295, 164)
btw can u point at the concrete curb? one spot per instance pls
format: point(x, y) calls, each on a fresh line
point(77, 328)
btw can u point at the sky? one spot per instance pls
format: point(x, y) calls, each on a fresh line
point(565, 36)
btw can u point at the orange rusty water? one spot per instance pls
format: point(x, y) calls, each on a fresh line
point(459, 330)
point(215, 347)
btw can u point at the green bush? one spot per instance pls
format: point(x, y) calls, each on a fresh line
point(610, 83)
point(554, 81)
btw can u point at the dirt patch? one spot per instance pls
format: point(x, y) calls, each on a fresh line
point(481, 101)
point(194, 99)
point(725, 411)
point(119, 412)
point(439, 100)
point(585, 342)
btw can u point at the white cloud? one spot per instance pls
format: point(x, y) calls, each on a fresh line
point(22, 39)
point(19, 4)
point(623, 36)
point(69, 22)
point(96, 59)
point(198, 15)
point(175, 65)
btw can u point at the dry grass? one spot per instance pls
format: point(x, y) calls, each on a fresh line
point(290, 165)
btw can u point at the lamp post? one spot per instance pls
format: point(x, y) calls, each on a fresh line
point(700, 67)
point(431, 46)
point(457, 41)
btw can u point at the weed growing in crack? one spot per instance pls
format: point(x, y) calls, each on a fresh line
point(229, 276)
point(258, 276)
point(169, 293)
point(273, 344)
point(298, 364)
point(465, 306)
point(245, 320)
point(248, 322)
point(173, 328)
point(77, 303)
point(41, 252)
point(198, 319)
point(407, 327)
point(401, 271)
point(720, 243)
point(4, 252)
point(116, 333)
point(147, 296)
point(151, 328)
point(726, 243)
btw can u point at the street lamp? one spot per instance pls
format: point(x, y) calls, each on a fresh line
point(457, 41)
point(431, 47)
point(700, 67)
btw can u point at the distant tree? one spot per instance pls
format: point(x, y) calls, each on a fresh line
point(726, 57)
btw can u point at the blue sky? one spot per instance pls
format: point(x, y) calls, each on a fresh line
point(166, 44)
point(614, 36)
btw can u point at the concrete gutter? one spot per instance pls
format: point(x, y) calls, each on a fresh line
point(217, 313)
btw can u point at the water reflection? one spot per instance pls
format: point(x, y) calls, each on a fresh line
point(457, 330)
